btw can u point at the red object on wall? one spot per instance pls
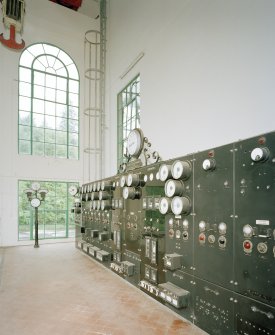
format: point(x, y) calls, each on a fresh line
point(72, 4)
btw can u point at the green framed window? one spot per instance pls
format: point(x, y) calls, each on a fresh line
point(48, 119)
point(128, 115)
point(55, 219)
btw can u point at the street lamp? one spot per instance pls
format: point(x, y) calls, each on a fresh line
point(35, 196)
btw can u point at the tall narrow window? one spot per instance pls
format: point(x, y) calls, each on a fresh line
point(48, 121)
point(128, 105)
point(55, 219)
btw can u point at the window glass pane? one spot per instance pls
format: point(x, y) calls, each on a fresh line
point(50, 108)
point(50, 94)
point(73, 152)
point(49, 150)
point(61, 72)
point(24, 133)
point(38, 120)
point(62, 84)
point(49, 136)
point(50, 122)
point(38, 91)
point(25, 118)
point(66, 59)
point(61, 124)
point(25, 147)
point(61, 151)
point(61, 137)
point(24, 103)
point(38, 148)
point(43, 60)
point(39, 78)
point(73, 99)
point(72, 71)
point(25, 75)
point(61, 110)
point(36, 49)
point(25, 89)
point(38, 134)
point(61, 96)
point(73, 86)
point(50, 81)
point(38, 106)
point(73, 139)
point(73, 126)
point(73, 112)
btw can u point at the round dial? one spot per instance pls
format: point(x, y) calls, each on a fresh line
point(134, 179)
point(122, 181)
point(73, 190)
point(35, 202)
point(35, 186)
point(164, 205)
point(202, 225)
point(185, 224)
point(180, 205)
point(135, 142)
point(173, 187)
point(164, 172)
point(259, 154)
point(131, 193)
point(103, 195)
point(181, 170)
point(209, 164)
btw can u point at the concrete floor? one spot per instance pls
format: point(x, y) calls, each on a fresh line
point(57, 290)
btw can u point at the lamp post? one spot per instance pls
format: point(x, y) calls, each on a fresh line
point(35, 196)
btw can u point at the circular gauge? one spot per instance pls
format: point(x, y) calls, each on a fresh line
point(131, 193)
point(73, 190)
point(125, 192)
point(202, 225)
point(181, 170)
point(209, 164)
point(164, 172)
point(247, 230)
point(95, 196)
point(98, 185)
point(135, 142)
point(134, 179)
point(180, 205)
point(173, 187)
point(94, 187)
point(35, 186)
point(259, 154)
point(35, 202)
point(122, 181)
point(164, 205)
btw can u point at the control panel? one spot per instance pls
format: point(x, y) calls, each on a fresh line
point(196, 233)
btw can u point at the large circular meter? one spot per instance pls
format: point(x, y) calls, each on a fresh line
point(164, 205)
point(180, 205)
point(73, 190)
point(135, 142)
point(259, 154)
point(173, 187)
point(164, 172)
point(181, 170)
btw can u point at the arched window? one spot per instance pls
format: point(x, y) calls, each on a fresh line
point(48, 121)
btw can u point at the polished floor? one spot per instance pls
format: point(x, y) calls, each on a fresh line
point(56, 290)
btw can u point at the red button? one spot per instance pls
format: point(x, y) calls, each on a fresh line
point(247, 245)
point(202, 237)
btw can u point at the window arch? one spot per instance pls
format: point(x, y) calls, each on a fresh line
point(48, 120)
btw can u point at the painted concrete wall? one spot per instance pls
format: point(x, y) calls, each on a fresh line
point(208, 74)
point(49, 23)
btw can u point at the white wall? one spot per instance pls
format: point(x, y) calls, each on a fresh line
point(208, 74)
point(50, 23)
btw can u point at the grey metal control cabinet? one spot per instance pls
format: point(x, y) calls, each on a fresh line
point(196, 233)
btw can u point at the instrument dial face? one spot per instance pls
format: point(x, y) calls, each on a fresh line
point(164, 205)
point(73, 190)
point(135, 142)
point(181, 170)
point(180, 205)
point(164, 172)
point(35, 186)
point(259, 154)
point(35, 202)
point(122, 181)
point(170, 188)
